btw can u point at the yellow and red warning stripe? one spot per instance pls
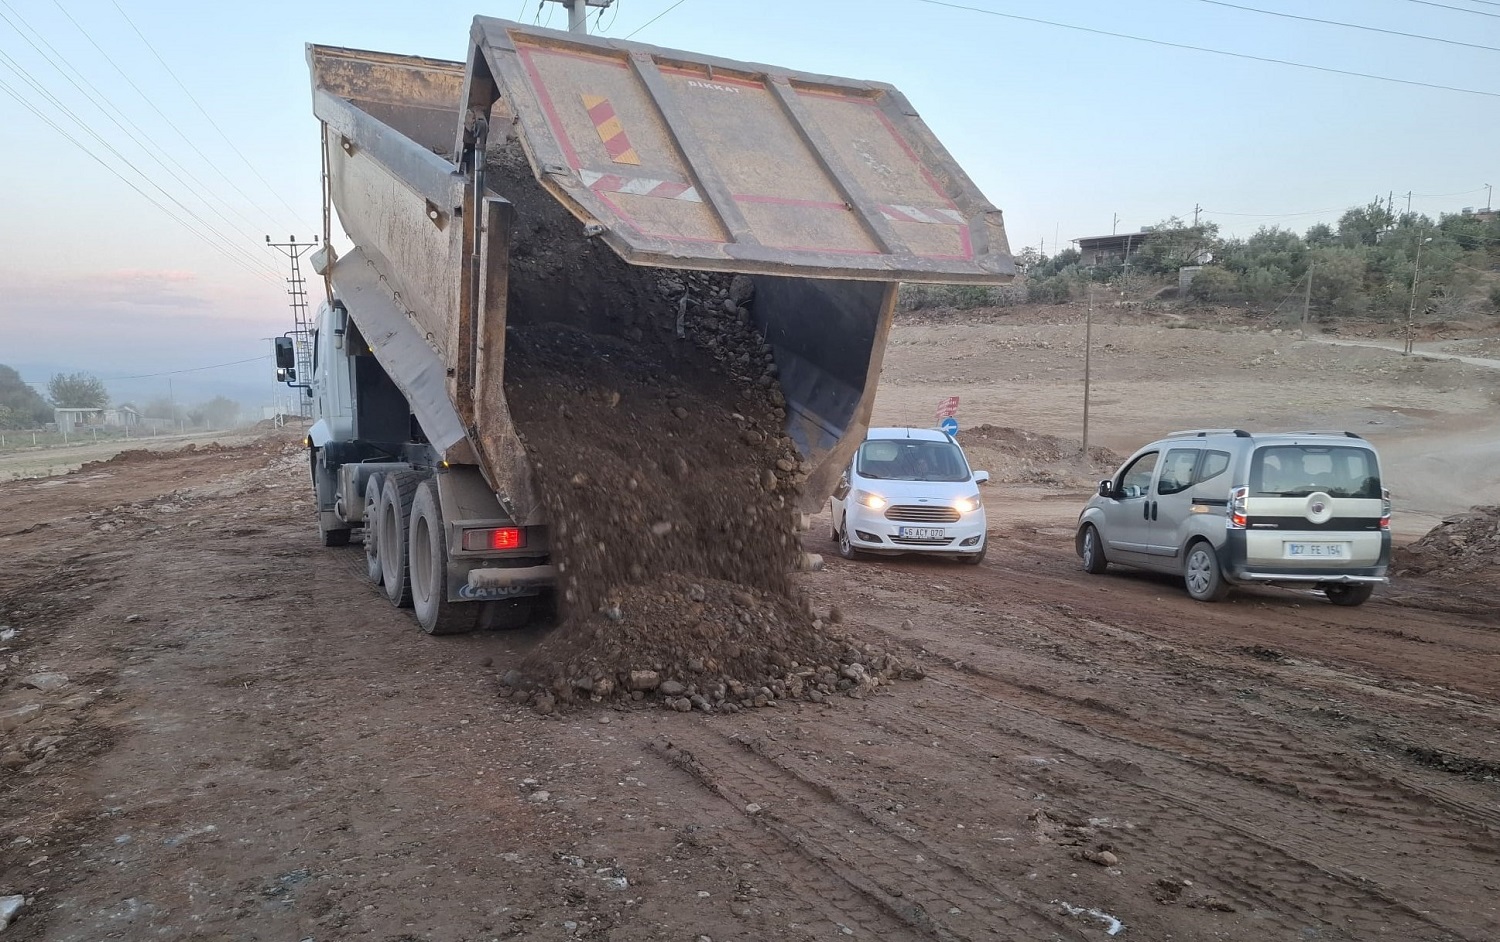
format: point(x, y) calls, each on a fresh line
point(611, 131)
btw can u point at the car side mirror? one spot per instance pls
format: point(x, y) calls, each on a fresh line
point(1106, 488)
point(842, 490)
point(981, 477)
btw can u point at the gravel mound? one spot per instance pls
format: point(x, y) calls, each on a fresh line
point(1463, 543)
point(1017, 456)
point(649, 405)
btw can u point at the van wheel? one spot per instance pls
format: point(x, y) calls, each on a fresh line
point(974, 559)
point(1205, 582)
point(846, 549)
point(372, 528)
point(1347, 594)
point(427, 561)
point(1092, 552)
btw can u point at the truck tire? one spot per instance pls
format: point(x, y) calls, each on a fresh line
point(372, 528)
point(427, 566)
point(396, 497)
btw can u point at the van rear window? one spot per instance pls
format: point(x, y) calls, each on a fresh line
point(1300, 470)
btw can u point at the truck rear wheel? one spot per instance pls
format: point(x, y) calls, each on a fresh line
point(372, 528)
point(396, 497)
point(427, 565)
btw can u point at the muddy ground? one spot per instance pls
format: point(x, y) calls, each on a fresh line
point(251, 744)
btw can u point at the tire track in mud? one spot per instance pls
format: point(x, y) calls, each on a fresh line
point(1281, 871)
point(863, 867)
point(1295, 750)
point(1296, 779)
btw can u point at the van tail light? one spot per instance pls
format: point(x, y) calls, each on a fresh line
point(1239, 507)
point(1385, 508)
point(497, 538)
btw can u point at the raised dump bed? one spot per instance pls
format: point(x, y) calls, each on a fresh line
point(822, 193)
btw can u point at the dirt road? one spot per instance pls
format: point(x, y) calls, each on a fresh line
point(251, 744)
point(210, 728)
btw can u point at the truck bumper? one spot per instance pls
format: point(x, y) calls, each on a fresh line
point(500, 582)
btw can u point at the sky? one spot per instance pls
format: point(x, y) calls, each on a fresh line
point(1065, 129)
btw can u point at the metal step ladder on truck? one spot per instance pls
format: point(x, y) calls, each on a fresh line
point(826, 192)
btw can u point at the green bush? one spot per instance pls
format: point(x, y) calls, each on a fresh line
point(1215, 283)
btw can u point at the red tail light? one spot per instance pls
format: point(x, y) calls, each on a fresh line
point(1239, 505)
point(1385, 508)
point(499, 538)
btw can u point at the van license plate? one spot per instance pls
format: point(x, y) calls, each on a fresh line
point(1317, 550)
point(923, 533)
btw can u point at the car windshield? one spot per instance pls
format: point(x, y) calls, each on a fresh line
point(887, 459)
point(1300, 470)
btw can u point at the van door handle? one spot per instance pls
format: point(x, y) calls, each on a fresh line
point(1153, 510)
point(1145, 510)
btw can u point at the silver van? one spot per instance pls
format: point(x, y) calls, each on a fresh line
point(1222, 507)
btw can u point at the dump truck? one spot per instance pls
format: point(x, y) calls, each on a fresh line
point(825, 192)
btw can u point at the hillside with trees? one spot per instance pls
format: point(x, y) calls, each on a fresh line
point(1362, 267)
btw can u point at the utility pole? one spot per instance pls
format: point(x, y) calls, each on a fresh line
point(1488, 192)
point(1196, 209)
point(578, 13)
point(1114, 227)
point(1416, 273)
point(1390, 202)
point(1307, 299)
point(1408, 202)
point(1088, 338)
point(301, 323)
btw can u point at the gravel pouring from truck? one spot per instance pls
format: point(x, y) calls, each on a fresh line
point(825, 192)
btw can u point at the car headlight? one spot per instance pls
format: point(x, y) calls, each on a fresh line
point(870, 500)
point(966, 505)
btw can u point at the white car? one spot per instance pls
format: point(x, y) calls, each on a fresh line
point(910, 490)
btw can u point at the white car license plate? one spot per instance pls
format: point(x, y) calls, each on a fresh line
point(923, 533)
point(1317, 550)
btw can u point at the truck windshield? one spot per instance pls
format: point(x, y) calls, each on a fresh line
point(1300, 470)
point(911, 460)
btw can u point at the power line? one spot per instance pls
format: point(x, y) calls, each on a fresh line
point(99, 100)
point(1309, 212)
point(1438, 196)
point(44, 117)
point(656, 17)
point(1429, 3)
point(1217, 52)
point(147, 99)
point(57, 103)
point(614, 15)
point(204, 111)
point(192, 369)
point(1371, 29)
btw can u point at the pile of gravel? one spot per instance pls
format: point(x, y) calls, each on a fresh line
point(1463, 543)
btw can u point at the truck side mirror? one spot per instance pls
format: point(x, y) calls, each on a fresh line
point(1106, 488)
point(286, 356)
point(981, 477)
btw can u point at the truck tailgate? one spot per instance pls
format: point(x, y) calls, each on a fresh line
point(690, 161)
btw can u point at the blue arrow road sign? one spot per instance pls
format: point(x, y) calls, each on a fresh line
point(949, 425)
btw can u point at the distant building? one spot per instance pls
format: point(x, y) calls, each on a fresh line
point(73, 417)
point(122, 417)
point(1110, 249)
point(1483, 215)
